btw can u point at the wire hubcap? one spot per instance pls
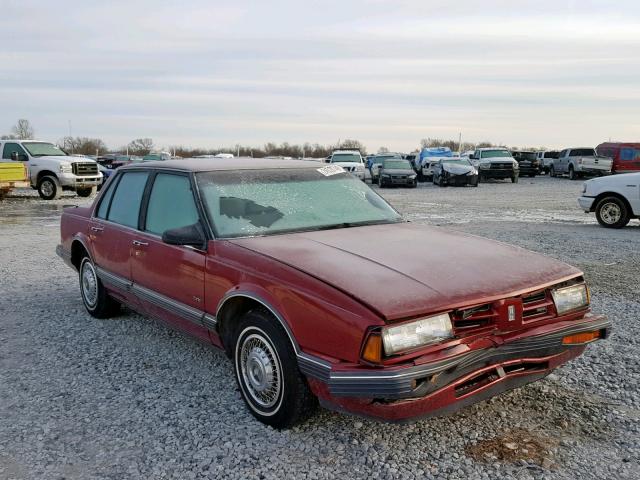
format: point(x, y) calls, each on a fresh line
point(260, 370)
point(89, 284)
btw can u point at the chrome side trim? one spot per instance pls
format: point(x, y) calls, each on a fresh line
point(113, 279)
point(184, 311)
point(193, 315)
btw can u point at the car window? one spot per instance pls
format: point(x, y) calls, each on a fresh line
point(11, 147)
point(171, 204)
point(125, 205)
point(105, 201)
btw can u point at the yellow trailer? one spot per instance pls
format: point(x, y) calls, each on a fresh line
point(12, 175)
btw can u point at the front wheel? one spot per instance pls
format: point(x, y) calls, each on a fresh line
point(552, 171)
point(267, 372)
point(49, 188)
point(572, 173)
point(380, 182)
point(86, 192)
point(612, 212)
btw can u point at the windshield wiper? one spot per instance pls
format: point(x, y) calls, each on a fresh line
point(356, 224)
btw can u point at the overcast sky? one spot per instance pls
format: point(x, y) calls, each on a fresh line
point(212, 73)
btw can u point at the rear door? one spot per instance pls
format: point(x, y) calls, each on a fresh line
point(169, 279)
point(112, 230)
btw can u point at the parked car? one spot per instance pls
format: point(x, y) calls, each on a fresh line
point(376, 162)
point(155, 156)
point(106, 173)
point(614, 199)
point(12, 175)
point(545, 159)
point(578, 162)
point(625, 156)
point(396, 172)
point(428, 158)
point(51, 170)
point(350, 160)
point(455, 172)
point(527, 162)
point(495, 162)
point(227, 251)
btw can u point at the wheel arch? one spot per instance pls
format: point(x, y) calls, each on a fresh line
point(45, 173)
point(234, 305)
point(78, 249)
point(604, 195)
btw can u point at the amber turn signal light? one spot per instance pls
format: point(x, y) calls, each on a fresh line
point(372, 351)
point(584, 337)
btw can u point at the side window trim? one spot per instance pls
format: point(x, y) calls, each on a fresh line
point(112, 188)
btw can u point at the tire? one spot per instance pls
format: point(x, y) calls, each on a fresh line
point(572, 174)
point(266, 370)
point(514, 179)
point(96, 300)
point(482, 179)
point(531, 175)
point(380, 182)
point(414, 184)
point(612, 212)
point(86, 192)
point(49, 188)
point(552, 171)
point(433, 180)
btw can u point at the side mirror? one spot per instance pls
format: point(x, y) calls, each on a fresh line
point(191, 235)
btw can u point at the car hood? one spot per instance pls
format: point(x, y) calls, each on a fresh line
point(380, 266)
point(458, 169)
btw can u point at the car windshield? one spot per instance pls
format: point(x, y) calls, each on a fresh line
point(382, 158)
point(243, 203)
point(345, 157)
point(527, 156)
point(583, 152)
point(397, 164)
point(40, 149)
point(495, 153)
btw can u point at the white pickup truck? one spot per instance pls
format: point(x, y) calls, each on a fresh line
point(578, 162)
point(51, 170)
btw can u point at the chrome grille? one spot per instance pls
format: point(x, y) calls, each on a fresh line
point(84, 168)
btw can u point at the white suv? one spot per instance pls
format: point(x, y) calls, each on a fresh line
point(51, 170)
point(350, 160)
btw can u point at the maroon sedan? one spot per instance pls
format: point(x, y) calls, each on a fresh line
point(302, 275)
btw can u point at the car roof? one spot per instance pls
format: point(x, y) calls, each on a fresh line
point(213, 164)
point(493, 148)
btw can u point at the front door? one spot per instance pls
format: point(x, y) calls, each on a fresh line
point(169, 279)
point(112, 231)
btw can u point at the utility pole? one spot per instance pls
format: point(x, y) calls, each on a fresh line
point(70, 137)
point(460, 142)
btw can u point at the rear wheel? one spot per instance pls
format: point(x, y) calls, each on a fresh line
point(49, 188)
point(612, 212)
point(572, 173)
point(552, 171)
point(96, 300)
point(267, 372)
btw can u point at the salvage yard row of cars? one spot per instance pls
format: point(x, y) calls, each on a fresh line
point(307, 312)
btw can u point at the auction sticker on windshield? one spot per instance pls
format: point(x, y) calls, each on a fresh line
point(331, 170)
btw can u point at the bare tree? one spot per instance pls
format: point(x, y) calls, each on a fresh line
point(350, 143)
point(23, 130)
point(383, 150)
point(140, 146)
point(83, 145)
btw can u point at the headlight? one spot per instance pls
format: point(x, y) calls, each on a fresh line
point(484, 166)
point(584, 187)
point(416, 334)
point(385, 175)
point(516, 166)
point(65, 168)
point(413, 175)
point(570, 298)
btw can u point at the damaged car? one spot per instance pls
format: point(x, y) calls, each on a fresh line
point(265, 259)
point(396, 172)
point(454, 171)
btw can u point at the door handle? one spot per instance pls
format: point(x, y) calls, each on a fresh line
point(97, 229)
point(138, 243)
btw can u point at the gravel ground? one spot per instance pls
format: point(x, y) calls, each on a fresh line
point(129, 398)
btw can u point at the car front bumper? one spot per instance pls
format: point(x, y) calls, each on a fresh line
point(428, 388)
point(460, 180)
point(586, 203)
point(72, 181)
point(496, 173)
